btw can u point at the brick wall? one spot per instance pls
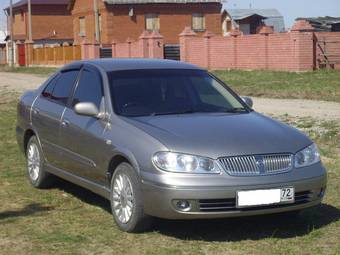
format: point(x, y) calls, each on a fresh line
point(45, 20)
point(49, 18)
point(117, 25)
point(291, 51)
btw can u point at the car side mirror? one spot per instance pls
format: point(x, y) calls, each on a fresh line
point(248, 101)
point(87, 109)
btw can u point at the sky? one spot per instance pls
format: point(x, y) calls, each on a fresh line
point(290, 9)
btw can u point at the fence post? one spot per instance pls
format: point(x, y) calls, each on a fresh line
point(266, 31)
point(143, 44)
point(129, 42)
point(184, 38)
point(29, 52)
point(156, 45)
point(303, 36)
point(65, 44)
point(114, 49)
point(235, 34)
point(90, 50)
point(207, 35)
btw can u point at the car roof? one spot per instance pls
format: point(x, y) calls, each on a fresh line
point(122, 64)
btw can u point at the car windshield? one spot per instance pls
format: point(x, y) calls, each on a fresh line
point(167, 92)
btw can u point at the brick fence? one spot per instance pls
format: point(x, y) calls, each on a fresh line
point(301, 49)
point(292, 51)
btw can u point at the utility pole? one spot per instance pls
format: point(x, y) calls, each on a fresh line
point(96, 18)
point(11, 31)
point(29, 7)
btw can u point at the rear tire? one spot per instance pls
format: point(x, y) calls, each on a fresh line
point(126, 200)
point(36, 174)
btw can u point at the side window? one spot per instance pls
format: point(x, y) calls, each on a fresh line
point(47, 93)
point(89, 89)
point(64, 86)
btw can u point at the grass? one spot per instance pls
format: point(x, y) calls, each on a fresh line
point(67, 219)
point(318, 85)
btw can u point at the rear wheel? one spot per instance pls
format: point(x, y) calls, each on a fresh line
point(126, 200)
point(35, 165)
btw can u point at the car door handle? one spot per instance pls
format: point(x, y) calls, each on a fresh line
point(65, 123)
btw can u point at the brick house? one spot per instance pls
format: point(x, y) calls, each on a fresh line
point(123, 19)
point(51, 21)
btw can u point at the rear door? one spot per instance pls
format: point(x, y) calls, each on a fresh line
point(48, 110)
point(81, 136)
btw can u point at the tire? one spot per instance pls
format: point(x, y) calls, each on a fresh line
point(36, 174)
point(126, 200)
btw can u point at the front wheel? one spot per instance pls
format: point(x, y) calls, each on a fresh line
point(126, 200)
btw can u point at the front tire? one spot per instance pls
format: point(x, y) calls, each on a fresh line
point(36, 174)
point(126, 200)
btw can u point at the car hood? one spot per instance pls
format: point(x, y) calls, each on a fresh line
point(219, 135)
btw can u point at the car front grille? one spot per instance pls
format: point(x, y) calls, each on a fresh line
point(226, 205)
point(257, 164)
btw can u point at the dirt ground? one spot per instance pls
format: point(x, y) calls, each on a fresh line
point(293, 107)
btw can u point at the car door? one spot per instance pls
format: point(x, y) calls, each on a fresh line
point(82, 136)
point(48, 110)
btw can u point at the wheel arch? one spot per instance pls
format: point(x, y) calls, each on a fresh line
point(116, 160)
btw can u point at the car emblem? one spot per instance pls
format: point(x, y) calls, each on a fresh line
point(260, 164)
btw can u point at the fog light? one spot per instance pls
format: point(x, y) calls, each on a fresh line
point(183, 205)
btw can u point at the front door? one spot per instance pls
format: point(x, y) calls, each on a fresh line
point(22, 55)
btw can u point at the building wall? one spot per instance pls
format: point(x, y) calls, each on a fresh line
point(118, 25)
point(19, 25)
point(45, 20)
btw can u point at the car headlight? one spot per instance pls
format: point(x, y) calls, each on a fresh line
point(184, 163)
point(307, 156)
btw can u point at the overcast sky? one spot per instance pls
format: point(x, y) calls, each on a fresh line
point(290, 9)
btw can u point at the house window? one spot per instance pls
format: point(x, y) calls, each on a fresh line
point(198, 22)
point(82, 30)
point(152, 22)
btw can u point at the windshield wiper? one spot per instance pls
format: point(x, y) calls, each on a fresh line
point(172, 113)
point(234, 110)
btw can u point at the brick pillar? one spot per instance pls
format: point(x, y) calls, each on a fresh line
point(207, 35)
point(156, 45)
point(144, 44)
point(235, 34)
point(17, 45)
point(114, 48)
point(129, 42)
point(90, 50)
point(266, 31)
point(302, 34)
point(29, 52)
point(184, 39)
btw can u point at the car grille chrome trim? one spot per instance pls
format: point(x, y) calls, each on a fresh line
point(257, 164)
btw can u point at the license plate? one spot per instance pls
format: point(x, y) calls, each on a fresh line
point(264, 197)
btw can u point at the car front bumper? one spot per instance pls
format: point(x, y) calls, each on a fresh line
point(160, 198)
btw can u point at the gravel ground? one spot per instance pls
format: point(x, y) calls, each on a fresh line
point(293, 107)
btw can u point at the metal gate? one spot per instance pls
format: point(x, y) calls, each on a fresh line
point(172, 51)
point(327, 52)
point(105, 52)
point(21, 53)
